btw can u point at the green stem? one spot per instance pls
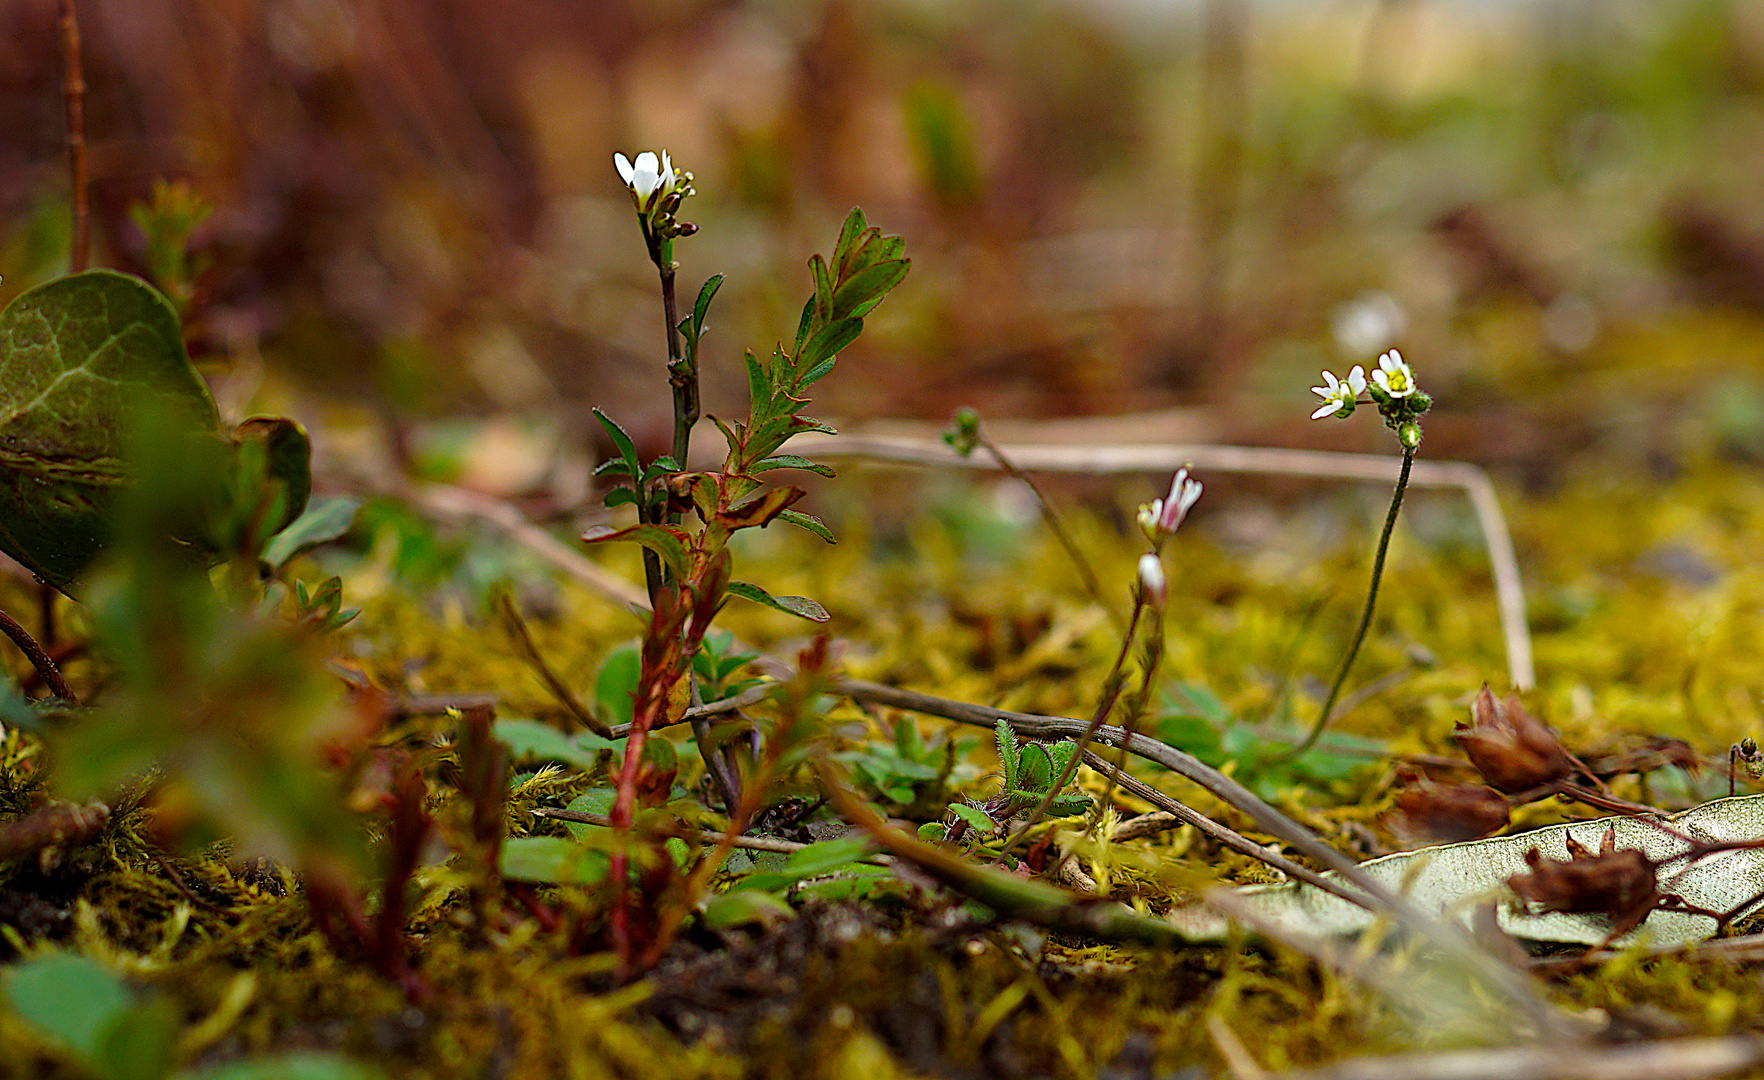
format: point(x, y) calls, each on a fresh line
point(1057, 526)
point(1347, 662)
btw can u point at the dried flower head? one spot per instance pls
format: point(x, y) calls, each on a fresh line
point(1512, 749)
point(1448, 813)
point(1618, 883)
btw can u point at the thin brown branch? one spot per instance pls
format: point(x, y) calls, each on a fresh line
point(1225, 835)
point(708, 836)
point(530, 650)
point(1101, 459)
point(55, 825)
point(1681, 1059)
point(42, 661)
point(73, 90)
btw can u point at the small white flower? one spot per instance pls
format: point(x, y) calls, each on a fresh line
point(1161, 517)
point(1338, 394)
point(649, 179)
point(1393, 375)
point(1152, 584)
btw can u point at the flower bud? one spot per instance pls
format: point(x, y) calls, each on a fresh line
point(1153, 587)
point(1409, 434)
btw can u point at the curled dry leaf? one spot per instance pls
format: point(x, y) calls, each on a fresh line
point(1618, 882)
point(1512, 749)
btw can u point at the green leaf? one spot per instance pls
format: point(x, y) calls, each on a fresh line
point(867, 288)
point(800, 606)
point(729, 435)
point(974, 816)
point(141, 1043)
point(531, 739)
point(616, 681)
point(823, 287)
point(1034, 769)
point(833, 340)
point(72, 998)
point(81, 358)
point(627, 449)
point(703, 303)
point(552, 859)
point(815, 374)
point(810, 522)
point(298, 1065)
point(849, 233)
point(745, 907)
point(802, 325)
point(667, 541)
point(759, 388)
point(661, 466)
point(1007, 753)
point(323, 522)
point(270, 483)
point(790, 461)
point(827, 855)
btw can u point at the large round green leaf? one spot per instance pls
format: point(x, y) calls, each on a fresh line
point(80, 358)
point(92, 370)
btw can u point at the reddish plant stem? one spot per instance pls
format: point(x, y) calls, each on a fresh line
point(73, 89)
point(39, 659)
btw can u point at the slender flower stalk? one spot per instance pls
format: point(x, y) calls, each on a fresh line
point(1150, 594)
point(1400, 402)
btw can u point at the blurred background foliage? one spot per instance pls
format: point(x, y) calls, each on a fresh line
point(1114, 205)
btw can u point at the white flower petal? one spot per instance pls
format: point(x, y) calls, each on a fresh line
point(1330, 408)
point(1356, 380)
point(624, 166)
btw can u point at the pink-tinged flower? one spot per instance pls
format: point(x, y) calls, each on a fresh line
point(1153, 587)
point(1394, 376)
point(1338, 394)
point(1161, 517)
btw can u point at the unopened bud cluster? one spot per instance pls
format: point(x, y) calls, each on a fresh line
point(1391, 387)
point(657, 190)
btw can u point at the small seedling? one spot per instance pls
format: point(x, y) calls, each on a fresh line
point(1032, 772)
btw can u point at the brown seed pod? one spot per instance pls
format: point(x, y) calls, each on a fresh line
point(1448, 813)
point(1618, 883)
point(1512, 749)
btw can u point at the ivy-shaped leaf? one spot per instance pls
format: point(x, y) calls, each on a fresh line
point(85, 360)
